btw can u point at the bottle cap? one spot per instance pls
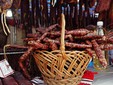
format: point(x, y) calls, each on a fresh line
point(100, 23)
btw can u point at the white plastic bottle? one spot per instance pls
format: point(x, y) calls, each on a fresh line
point(100, 30)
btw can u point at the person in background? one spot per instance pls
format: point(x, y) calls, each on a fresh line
point(110, 55)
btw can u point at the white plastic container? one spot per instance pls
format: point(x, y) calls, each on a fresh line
point(100, 30)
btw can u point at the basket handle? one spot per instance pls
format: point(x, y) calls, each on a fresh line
point(4, 50)
point(62, 46)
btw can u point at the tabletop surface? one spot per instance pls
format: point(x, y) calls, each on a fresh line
point(104, 77)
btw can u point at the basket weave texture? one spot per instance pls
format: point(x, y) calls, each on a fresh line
point(58, 71)
point(62, 67)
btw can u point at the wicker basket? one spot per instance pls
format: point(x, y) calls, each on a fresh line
point(60, 67)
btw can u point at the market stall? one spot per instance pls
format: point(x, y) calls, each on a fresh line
point(56, 40)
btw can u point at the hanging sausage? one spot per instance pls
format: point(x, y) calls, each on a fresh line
point(4, 31)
